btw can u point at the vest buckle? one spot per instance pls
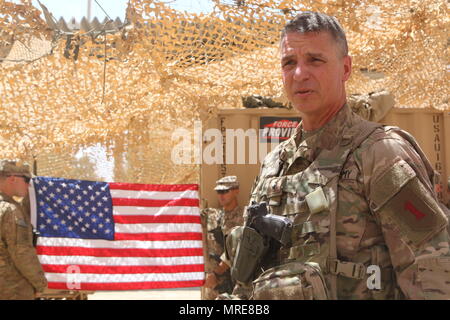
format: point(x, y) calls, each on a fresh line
point(347, 269)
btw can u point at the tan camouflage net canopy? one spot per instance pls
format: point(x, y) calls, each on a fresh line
point(127, 90)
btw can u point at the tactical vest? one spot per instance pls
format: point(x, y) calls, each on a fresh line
point(313, 206)
point(311, 202)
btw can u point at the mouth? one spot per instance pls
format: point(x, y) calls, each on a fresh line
point(303, 92)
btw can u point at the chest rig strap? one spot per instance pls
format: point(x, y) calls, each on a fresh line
point(357, 135)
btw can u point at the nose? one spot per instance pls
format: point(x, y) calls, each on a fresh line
point(301, 72)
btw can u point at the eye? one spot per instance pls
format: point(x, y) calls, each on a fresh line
point(316, 60)
point(288, 63)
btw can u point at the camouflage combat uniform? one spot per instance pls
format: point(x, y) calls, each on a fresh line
point(232, 219)
point(213, 247)
point(218, 225)
point(386, 210)
point(21, 273)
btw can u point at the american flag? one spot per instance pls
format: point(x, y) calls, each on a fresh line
point(117, 236)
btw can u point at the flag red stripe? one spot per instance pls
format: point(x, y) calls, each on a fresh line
point(130, 285)
point(55, 268)
point(184, 202)
point(152, 187)
point(133, 219)
point(110, 252)
point(163, 236)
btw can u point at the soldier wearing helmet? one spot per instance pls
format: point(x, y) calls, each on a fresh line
point(21, 274)
point(219, 223)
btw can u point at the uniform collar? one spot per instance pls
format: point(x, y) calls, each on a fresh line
point(332, 132)
point(326, 137)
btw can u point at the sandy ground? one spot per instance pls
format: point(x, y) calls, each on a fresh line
point(157, 294)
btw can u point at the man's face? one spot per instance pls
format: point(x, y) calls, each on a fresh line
point(20, 185)
point(226, 197)
point(314, 72)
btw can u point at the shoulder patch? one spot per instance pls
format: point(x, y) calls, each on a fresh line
point(399, 198)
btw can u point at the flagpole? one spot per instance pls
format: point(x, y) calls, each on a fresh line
point(89, 5)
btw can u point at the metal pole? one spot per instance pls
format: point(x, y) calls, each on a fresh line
point(89, 7)
point(34, 166)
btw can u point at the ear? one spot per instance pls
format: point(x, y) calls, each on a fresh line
point(347, 60)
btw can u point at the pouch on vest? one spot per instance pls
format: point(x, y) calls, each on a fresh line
point(291, 281)
point(250, 251)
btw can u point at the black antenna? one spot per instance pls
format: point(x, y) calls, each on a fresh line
point(102, 9)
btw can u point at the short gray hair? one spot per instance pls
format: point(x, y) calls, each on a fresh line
point(317, 22)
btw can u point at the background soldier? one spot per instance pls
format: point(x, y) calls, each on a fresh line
point(219, 223)
point(350, 201)
point(21, 274)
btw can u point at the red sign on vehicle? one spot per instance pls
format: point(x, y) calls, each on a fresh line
point(277, 129)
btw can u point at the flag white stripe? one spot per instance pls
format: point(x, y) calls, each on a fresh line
point(154, 195)
point(120, 261)
point(119, 244)
point(118, 278)
point(151, 211)
point(157, 227)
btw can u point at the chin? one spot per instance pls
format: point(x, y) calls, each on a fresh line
point(305, 108)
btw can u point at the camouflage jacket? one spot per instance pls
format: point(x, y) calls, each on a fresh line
point(21, 274)
point(213, 238)
point(231, 219)
point(217, 225)
point(387, 212)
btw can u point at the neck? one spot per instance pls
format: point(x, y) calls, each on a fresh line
point(230, 206)
point(312, 122)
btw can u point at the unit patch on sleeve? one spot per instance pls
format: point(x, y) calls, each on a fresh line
point(400, 198)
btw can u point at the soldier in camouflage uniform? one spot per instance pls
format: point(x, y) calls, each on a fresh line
point(364, 221)
point(21, 275)
point(219, 223)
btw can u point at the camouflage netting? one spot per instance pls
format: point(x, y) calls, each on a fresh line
point(127, 91)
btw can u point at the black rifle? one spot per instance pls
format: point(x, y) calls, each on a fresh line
point(215, 257)
point(226, 284)
point(36, 235)
point(218, 236)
